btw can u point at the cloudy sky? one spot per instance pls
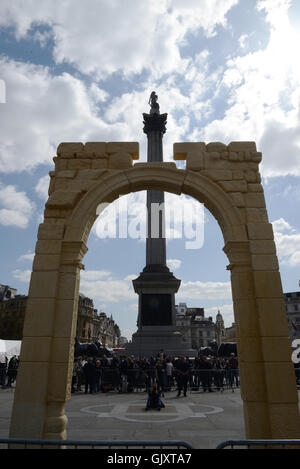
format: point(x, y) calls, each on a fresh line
point(224, 70)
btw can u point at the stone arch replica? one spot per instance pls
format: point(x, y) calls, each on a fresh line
point(227, 180)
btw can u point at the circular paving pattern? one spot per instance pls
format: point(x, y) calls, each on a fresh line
point(135, 412)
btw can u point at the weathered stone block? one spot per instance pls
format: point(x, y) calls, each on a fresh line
point(39, 317)
point(181, 150)
point(67, 174)
point(238, 199)
point(62, 351)
point(260, 231)
point(234, 186)
point(120, 161)
point(218, 174)
point(246, 316)
point(43, 284)
point(233, 156)
point(255, 200)
point(285, 421)
point(242, 285)
point(267, 284)
point(60, 378)
point(216, 147)
point(48, 246)
point(252, 382)
point(63, 199)
point(50, 231)
point(237, 175)
point(257, 421)
point(272, 317)
point(250, 176)
point(242, 146)
point(257, 156)
point(100, 163)
point(257, 215)
point(250, 349)
point(66, 149)
point(281, 382)
point(255, 187)
point(265, 262)
point(195, 161)
point(95, 148)
point(262, 247)
point(66, 318)
point(91, 173)
point(276, 349)
point(214, 155)
point(80, 163)
point(46, 262)
point(33, 347)
point(124, 147)
point(60, 163)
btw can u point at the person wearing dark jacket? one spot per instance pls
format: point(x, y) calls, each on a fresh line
point(154, 401)
point(182, 370)
point(205, 371)
point(89, 376)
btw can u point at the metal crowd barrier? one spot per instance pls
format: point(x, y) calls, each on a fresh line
point(259, 444)
point(13, 443)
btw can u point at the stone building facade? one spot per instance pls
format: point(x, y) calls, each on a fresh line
point(91, 326)
point(12, 313)
point(198, 331)
point(292, 306)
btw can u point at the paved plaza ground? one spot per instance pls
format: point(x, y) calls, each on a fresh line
point(201, 419)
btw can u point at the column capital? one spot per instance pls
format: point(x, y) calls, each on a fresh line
point(155, 122)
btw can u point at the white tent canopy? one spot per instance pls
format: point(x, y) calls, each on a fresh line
point(10, 347)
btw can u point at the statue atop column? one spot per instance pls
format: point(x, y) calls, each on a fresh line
point(153, 103)
point(154, 121)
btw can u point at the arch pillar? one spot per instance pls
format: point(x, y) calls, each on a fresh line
point(266, 372)
point(47, 353)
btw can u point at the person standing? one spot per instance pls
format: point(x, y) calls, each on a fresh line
point(169, 372)
point(98, 374)
point(183, 371)
point(3, 367)
point(89, 376)
point(233, 371)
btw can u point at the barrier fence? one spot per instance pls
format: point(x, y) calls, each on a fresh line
point(260, 444)
point(138, 379)
point(15, 443)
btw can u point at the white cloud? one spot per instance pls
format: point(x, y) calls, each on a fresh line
point(54, 108)
point(104, 287)
point(287, 241)
point(22, 275)
point(42, 187)
point(174, 264)
point(15, 207)
point(264, 96)
point(281, 225)
point(27, 257)
point(104, 37)
point(204, 290)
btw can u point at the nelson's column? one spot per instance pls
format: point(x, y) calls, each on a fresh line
point(156, 285)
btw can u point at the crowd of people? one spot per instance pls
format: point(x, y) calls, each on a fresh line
point(8, 370)
point(127, 374)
